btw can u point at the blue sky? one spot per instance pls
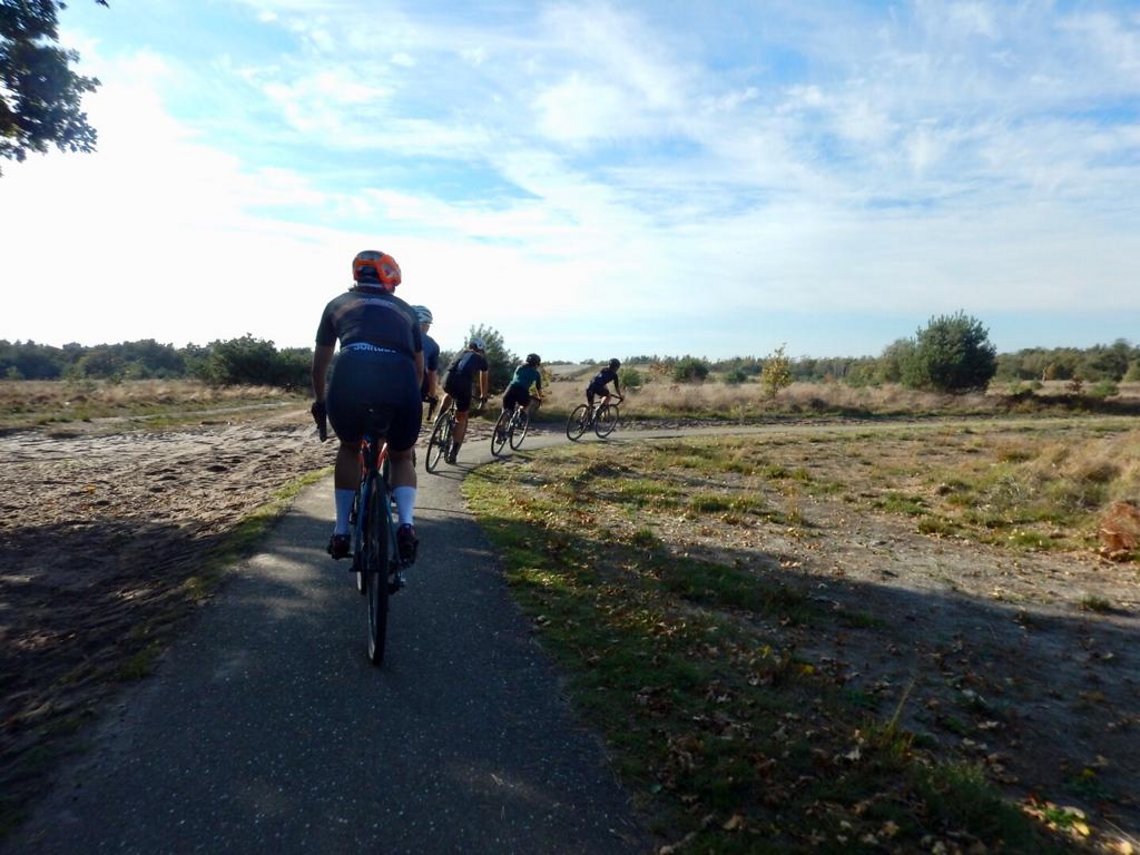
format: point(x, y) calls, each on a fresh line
point(592, 179)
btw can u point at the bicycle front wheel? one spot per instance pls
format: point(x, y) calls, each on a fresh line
point(437, 445)
point(578, 422)
point(606, 421)
point(499, 435)
point(377, 524)
point(519, 426)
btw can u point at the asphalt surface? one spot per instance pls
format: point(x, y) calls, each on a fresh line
point(266, 729)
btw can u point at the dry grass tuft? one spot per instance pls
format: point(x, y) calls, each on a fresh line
point(1120, 531)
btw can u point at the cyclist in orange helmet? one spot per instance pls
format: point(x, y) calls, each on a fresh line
point(381, 363)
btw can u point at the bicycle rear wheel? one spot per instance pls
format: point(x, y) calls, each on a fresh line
point(499, 435)
point(519, 426)
point(578, 422)
point(606, 421)
point(376, 526)
point(437, 445)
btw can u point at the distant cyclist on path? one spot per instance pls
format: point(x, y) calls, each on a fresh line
point(462, 373)
point(381, 364)
point(526, 376)
point(429, 389)
point(601, 380)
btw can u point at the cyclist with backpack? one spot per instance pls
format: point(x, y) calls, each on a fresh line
point(469, 367)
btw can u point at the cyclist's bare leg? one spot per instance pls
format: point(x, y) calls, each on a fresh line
point(346, 472)
point(403, 468)
point(460, 428)
point(403, 475)
point(346, 479)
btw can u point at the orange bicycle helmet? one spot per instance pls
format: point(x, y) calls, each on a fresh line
point(376, 269)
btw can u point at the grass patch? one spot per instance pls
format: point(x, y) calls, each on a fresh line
point(730, 737)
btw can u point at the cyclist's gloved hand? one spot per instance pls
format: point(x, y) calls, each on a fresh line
point(321, 416)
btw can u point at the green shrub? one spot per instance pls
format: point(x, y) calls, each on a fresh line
point(777, 373)
point(630, 378)
point(689, 369)
point(952, 354)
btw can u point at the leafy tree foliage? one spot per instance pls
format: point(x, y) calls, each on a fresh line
point(894, 357)
point(952, 354)
point(690, 369)
point(1100, 362)
point(777, 372)
point(40, 95)
point(630, 378)
point(501, 360)
point(248, 361)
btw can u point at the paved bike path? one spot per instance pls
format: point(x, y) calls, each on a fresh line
point(265, 729)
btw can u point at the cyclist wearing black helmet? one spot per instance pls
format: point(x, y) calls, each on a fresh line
point(601, 380)
point(526, 376)
point(462, 373)
point(381, 363)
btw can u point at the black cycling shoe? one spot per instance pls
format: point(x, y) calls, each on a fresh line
point(340, 546)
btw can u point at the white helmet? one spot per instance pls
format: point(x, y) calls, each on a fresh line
point(423, 314)
point(478, 344)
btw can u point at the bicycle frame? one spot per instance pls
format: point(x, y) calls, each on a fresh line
point(587, 416)
point(374, 535)
point(511, 427)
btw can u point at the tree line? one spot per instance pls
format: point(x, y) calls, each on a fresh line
point(952, 353)
point(241, 361)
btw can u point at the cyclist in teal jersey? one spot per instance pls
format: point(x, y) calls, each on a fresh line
point(526, 376)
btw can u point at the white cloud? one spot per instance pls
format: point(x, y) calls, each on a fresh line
point(594, 173)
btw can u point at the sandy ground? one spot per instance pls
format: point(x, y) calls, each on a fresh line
point(988, 653)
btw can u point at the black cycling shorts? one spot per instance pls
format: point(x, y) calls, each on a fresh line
point(363, 378)
point(461, 393)
point(516, 395)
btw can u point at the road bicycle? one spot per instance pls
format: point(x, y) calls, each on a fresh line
point(602, 418)
point(440, 441)
point(441, 434)
point(511, 427)
point(375, 551)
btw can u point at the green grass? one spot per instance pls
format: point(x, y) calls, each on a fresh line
point(728, 736)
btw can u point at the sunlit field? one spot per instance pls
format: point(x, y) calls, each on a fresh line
point(31, 403)
point(749, 401)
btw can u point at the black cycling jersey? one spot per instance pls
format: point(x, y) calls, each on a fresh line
point(379, 339)
point(464, 369)
point(461, 373)
point(370, 316)
point(602, 379)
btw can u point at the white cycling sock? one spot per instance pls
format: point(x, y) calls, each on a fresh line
point(405, 503)
point(343, 500)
